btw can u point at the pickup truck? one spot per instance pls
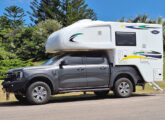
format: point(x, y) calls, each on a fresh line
point(72, 72)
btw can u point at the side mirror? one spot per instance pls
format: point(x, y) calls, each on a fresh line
point(62, 63)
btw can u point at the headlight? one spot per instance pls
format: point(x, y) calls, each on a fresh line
point(19, 74)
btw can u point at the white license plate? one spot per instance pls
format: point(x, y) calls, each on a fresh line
point(4, 90)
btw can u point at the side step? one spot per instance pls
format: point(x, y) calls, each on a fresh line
point(155, 86)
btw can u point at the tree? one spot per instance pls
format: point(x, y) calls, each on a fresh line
point(4, 28)
point(29, 43)
point(15, 15)
point(45, 9)
point(5, 22)
point(74, 10)
point(138, 19)
point(64, 11)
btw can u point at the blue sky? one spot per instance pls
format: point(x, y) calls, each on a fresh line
point(107, 10)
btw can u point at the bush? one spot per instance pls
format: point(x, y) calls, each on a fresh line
point(6, 65)
point(6, 55)
point(28, 43)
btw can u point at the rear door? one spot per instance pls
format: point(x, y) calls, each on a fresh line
point(97, 70)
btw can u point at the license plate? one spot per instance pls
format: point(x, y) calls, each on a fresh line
point(7, 95)
point(4, 90)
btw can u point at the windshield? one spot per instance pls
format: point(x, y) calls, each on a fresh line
point(53, 60)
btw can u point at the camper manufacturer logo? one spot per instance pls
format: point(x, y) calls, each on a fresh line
point(74, 36)
point(155, 32)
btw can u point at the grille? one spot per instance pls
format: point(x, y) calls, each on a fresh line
point(10, 77)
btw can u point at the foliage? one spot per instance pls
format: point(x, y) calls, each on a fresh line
point(5, 54)
point(5, 22)
point(4, 28)
point(5, 65)
point(48, 26)
point(64, 11)
point(15, 15)
point(28, 43)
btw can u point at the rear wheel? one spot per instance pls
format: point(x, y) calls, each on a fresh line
point(38, 93)
point(123, 87)
point(101, 93)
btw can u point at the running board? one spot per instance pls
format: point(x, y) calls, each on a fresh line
point(155, 86)
point(84, 90)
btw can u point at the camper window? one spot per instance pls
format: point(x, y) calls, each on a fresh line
point(125, 39)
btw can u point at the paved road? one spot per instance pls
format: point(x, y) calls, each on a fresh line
point(138, 107)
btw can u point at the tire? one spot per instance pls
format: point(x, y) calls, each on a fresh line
point(101, 93)
point(38, 93)
point(20, 98)
point(123, 87)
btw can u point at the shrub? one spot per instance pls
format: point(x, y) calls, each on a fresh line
point(6, 55)
point(6, 65)
point(28, 43)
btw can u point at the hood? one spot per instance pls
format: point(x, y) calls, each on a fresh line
point(16, 69)
point(37, 67)
point(29, 68)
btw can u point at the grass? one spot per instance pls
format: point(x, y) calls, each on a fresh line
point(148, 89)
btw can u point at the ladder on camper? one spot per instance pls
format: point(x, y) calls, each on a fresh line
point(155, 86)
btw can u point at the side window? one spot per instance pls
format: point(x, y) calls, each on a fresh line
point(74, 60)
point(94, 60)
point(125, 38)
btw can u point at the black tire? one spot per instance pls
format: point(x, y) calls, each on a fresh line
point(123, 87)
point(38, 93)
point(101, 93)
point(20, 98)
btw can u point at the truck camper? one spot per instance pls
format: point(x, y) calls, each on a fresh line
point(127, 44)
point(98, 57)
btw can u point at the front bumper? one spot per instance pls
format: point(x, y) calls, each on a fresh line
point(13, 86)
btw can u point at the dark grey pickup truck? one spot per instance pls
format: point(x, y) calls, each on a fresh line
point(72, 72)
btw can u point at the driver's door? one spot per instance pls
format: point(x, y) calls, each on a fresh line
point(73, 73)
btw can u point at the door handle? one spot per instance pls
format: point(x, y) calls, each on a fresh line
point(102, 68)
point(80, 69)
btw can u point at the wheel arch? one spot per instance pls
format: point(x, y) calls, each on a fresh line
point(130, 72)
point(41, 79)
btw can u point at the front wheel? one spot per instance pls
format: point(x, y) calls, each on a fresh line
point(123, 87)
point(38, 93)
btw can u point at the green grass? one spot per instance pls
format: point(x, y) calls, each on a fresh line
point(148, 89)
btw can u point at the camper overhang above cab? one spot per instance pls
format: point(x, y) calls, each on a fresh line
point(82, 35)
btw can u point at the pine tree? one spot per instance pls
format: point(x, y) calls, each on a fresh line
point(15, 15)
point(45, 9)
point(75, 10)
point(64, 11)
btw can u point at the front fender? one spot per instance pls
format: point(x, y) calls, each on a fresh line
point(53, 81)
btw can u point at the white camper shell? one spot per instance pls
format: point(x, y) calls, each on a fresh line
point(135, 44)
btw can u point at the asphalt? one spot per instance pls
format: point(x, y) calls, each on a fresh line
point(137, 107)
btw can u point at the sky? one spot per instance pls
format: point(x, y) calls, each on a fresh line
point(106, 10)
